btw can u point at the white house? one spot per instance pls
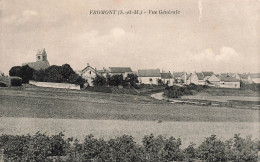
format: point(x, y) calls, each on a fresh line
point(149, 76)
point(228, 82)
point(180, 77)
point(196, 78)
point(89, 73)
point(167, 78)
point(255, 77)
point(213, 80)
point(246, 78)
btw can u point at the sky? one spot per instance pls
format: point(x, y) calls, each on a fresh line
point(207, 35)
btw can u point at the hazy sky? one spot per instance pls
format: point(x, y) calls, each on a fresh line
point(208, 35)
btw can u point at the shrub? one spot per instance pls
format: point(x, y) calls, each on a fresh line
point(212, 149)
point(16, 81)
point(25, 72)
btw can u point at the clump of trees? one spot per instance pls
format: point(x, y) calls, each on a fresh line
point(176, 91)
point(58, 74)
point(116, 80)
point(41, 147)
point(24, 72)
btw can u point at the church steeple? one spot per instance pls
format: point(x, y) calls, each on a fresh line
point(41, 55)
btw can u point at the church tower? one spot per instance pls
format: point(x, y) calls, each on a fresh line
point(41, 55)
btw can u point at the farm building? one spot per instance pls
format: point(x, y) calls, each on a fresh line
point(167, 78)
point(196, 78)
point(213, 80)
point(41, 61)
point(149, 76)
point(228, 82)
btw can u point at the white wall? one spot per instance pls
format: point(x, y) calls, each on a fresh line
point(146, 80)
point(256, 80)
point(55, 85)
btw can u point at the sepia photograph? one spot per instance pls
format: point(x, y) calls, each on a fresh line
point(130, 81)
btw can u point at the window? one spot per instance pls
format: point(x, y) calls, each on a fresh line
point(151, 79)
point(39, 57)
point(90, 72)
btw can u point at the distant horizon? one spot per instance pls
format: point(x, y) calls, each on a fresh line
point(205, 35)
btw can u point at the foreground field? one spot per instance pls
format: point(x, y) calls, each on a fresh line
point(78, 128)
point(93, 105)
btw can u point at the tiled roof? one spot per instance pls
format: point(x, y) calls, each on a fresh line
point(207, 73)
point(38, 65)
point(166, 75)
point(149, 73)
point(178, 74)
point(244, 76)
point(120, 69)
point(228, 79)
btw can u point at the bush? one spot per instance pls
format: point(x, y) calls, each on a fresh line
point(16, 81)
point(25, 72)
point(40, 147)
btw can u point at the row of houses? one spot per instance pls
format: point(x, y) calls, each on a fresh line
point(156, 76)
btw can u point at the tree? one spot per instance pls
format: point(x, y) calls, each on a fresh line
point(24, 72)
point(99, 81)
point(132, 79)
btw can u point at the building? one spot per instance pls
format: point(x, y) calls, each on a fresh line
point(149, 76)
point(179, 77)
point(255, 77)
point(104, 72)
point(167, 78)
point(228, 82)
point(89, 73)
point(41, 61)
point(246, 78)
point(120, 71)
point(212, 80)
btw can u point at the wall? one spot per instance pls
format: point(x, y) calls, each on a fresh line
point(89, 75)
point(256, 80)
point(229, 84)
point(146, 80)
point(55, 85)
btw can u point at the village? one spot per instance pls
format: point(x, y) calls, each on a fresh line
point(149, 76)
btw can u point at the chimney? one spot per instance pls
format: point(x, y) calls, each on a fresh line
point(87, 64)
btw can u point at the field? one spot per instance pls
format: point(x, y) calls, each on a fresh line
point(77, 113)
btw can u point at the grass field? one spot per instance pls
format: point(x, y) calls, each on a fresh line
point(93, 105)
point(78, 113)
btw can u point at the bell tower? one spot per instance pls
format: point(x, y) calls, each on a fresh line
point(41, 55)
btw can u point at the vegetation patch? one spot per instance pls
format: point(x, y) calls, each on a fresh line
point(41, 147)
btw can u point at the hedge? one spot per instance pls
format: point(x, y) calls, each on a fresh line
point(41, 147)
point(16, 81)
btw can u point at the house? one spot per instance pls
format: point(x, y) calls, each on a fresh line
point(120, 71)
point(89, 73)
point(41, 61)
point(104, 72)
point(180, 77)
point(149, 76)
point(246, 78)
point(255, 77)
point(167, 78)
point(228, 82)
point(212, 80)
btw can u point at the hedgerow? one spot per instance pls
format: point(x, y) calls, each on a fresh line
point(41, 147)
